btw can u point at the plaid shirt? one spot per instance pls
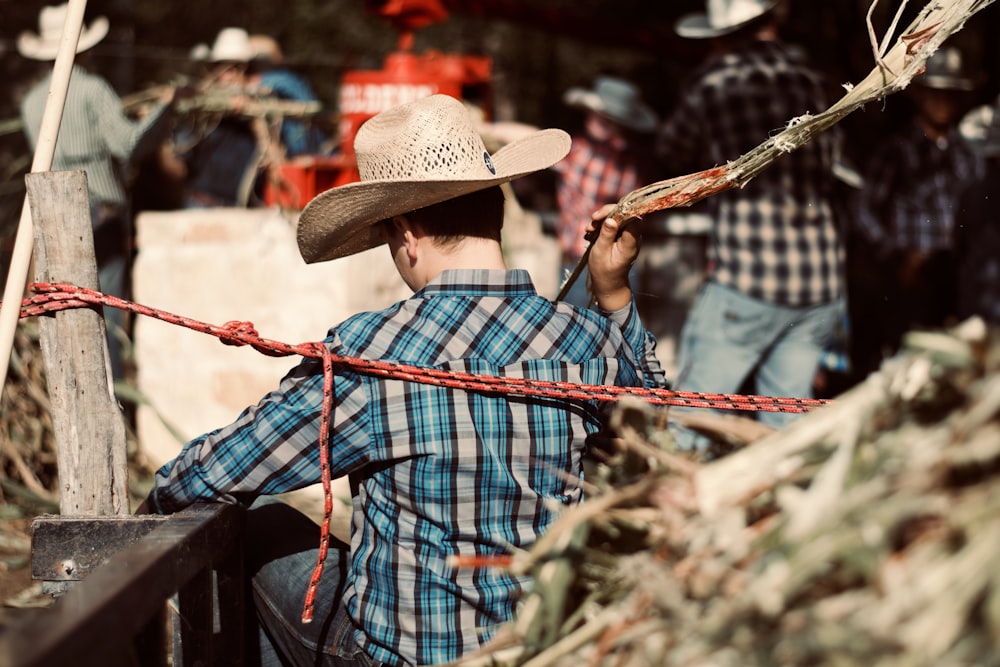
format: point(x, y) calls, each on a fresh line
point(437, 471)
point(591, 175)
point(775, 239)
point(912, 186)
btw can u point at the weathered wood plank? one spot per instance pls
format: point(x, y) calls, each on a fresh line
point(70, 548)
point(94, 623)
point(86, 419)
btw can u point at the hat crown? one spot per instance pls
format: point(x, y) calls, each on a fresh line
point(946, 68)
point(727, 13)
point(51, 21)
point(430, 141)
point(618, 95)
point(232, 44)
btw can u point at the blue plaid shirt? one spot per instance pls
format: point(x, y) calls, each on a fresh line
point(437, 472)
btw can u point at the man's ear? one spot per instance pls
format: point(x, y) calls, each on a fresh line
point(411, 234)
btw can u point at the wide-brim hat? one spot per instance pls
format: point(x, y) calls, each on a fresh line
point(946, 69)
point(409, 157)
point(616, 99)
point(51, 23)
point(722, 17)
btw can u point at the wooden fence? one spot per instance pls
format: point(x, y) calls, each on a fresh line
point(125, 582)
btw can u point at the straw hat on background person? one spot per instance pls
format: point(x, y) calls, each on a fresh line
point(51, 23)
point(615, 99)
point(409, 157)
point(722, 17)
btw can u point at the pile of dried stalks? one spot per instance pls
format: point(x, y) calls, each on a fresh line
point(28, 474)
point(866, 533)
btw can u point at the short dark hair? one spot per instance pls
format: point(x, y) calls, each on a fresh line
point(478, 214)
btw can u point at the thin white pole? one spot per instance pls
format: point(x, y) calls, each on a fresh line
point(20, 264)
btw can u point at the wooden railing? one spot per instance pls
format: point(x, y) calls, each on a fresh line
point(151, 575)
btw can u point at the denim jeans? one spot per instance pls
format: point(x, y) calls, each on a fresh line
point(281, 547)
point(729, 337)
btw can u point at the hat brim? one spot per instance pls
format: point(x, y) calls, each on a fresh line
point(340, 222)
point(641, 119)
point(941, 82)
point(33, 47)
point(696, 26)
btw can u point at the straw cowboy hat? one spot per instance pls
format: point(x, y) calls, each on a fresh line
point(946, 69)
point(722, 17)
point(231, 45)
point(51, 21)
point(411, 156)
point(616, 99)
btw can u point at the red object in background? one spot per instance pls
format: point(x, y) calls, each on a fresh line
point(405, 76)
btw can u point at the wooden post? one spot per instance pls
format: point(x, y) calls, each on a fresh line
point(86, 419)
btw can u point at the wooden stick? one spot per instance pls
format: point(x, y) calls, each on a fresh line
point(20, 263)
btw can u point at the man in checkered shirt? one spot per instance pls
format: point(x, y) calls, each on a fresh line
point(773, 295)
point(437, 473)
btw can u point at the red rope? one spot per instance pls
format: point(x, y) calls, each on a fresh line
point(53, 297)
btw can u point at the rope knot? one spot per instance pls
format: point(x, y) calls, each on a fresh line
point(238, 333)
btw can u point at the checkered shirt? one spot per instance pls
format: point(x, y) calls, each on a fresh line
point(912, 187)
point(775, 239)
point(591, 175)
point(438, 472)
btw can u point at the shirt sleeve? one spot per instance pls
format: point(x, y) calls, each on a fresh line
point(273, 447)
point(641, 342)
point(125, 138)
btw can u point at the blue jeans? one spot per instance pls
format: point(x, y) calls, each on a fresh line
point(729, 337)
point(281, 546)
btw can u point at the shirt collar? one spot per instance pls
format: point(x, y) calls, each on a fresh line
point(480, 282)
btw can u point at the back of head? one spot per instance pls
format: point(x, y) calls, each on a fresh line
point(478, 214)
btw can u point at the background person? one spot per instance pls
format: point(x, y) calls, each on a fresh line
point(436, 472)
point(97, 137)
point(907, 207)
point(773, 296)
point(220, 152)
point(603, 166)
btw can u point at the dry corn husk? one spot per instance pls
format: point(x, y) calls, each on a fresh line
point(867, 533)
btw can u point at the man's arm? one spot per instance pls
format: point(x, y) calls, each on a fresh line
point(614, 250)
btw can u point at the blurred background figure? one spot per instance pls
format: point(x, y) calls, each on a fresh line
point(603, 165)
point(977, 221)
point(269, 75)
point(907, 209)
point(97, 137)
point(220, 151)
point(773, 297)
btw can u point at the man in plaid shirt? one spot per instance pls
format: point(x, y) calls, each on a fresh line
point(437, 473)
point(907, 207)
point(773, 296)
